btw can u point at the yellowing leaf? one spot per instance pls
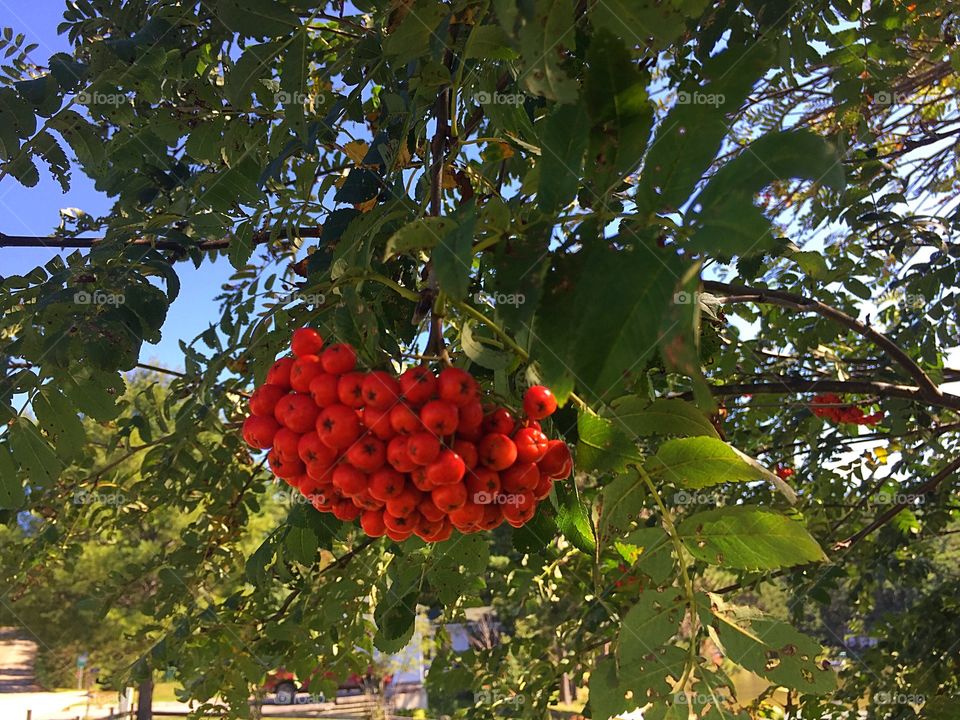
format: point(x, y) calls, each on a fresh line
point(356, 150)
point(366, 206)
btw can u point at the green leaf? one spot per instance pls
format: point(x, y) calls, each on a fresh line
point(645, 682)
point(699, 462)
point(649, 550)
point(453, 256)
point(538, 532)
point(598, 320)
point(663, 416)
point(653, 620)
point(622, 502)
point(775, 650)
point(458, 566)
point(58, 418)
point(813, 264)
point(488, 41)
point(252, 66)
point(420, 234)
point(563, 140)
point(544, 38)
point(12, 496)
point(257, 18)
point(483, 355)
point(621, 115)
point(301, 545)
point(413, 36)
point(33, 453)
point(604, 445)
point(573, 518)
point(206, 140)
point(635, 22)
point(95, 393)
point(748, 538)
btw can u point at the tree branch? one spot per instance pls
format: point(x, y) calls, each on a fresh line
point(87, 243)
point(786, 385)
point(740, 293)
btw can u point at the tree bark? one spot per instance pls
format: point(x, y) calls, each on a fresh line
point(145, 700)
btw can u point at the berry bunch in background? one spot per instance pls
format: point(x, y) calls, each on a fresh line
point(832, 407)
point(415, 454)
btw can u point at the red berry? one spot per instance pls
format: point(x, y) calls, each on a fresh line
point(297, 412)
point(405, 503)
point(429, 510)
point(380, 389)
point(303, 371)
point(449, 497)
point(366, 501)
point(483, 485)
point(345, 510)
point(320, 473)
point(457, 386)
point(467, 517)
point(285, 468)
point(531, 444)
point(339, 359)
point(367, 454)
point(404, 420)
point(372, 523)
point(323, 390)
point(440, 417)
point(426, 529)
point(378, 422)
point(349, 480)
point(423, 448)
point(447, 469)
point(520, 477)
point(404, 524)
point(471, 416)
point(312, 449)
point(556, 462)
point(265, 398)
point(306, 341)
point(258, 431)
point(521, 510)
point(783, 472)
point(539, 402)
point(287, 443)
point(492, 517)
point(417, 385)
point(350, 389)
point(386, 483)
point(279, 372)
point(497, 451)
point(500, 421)
point(543, 487)
point(468, 451)
point(397, 455)
point(446, 530)
point(338, 426)
point(420, 480)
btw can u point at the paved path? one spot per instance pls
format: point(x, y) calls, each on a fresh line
point(17, 652)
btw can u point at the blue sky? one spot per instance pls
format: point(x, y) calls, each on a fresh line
point(36, 210)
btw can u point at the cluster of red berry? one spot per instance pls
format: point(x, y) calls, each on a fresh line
point(832, 407)
point(415, 454)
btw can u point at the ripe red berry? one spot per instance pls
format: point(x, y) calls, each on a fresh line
point(287, 443)
point(520, 477)
point(320, 473)
point(531, 444)
point(312, 449)
point(366, 501)
point(497, 451)
point(402, 524)
point(418, 476)
point(279, 372)
point(323, 390)
point(444, 533)
point(303, 371)
point(345, 510)
point(404, 420)
point(397, 454)
point(539, 402)
point(423, 448)
point(483, 485)
point(285, 468)
point(521, 510)
point(264, 399)
point(339, 359)
point(447, 469)
point(783, 472)
point(405, 503)
point(367, 454)
point(429, 510)
point(258, 431)
point(349, 480)
point(338, 426)
point(492, 517)
point(440, 417)
point(468, 451)
point(543, 487)
point(449, 497)
point(378, 422)
point(556, 462)
point(350, 389)
point(417, 385)
point(426, 529)
point(306, 341)
point(372, 523)
point(386, 483)
point(380, 389)
point(471, 417)
point(500, 421)
point(297, 412)
point(467, 517)
point(457, 386)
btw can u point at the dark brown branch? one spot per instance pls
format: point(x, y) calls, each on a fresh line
point(894, 510)
point(787, 385)
point(88, 243)
point(740, 293)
